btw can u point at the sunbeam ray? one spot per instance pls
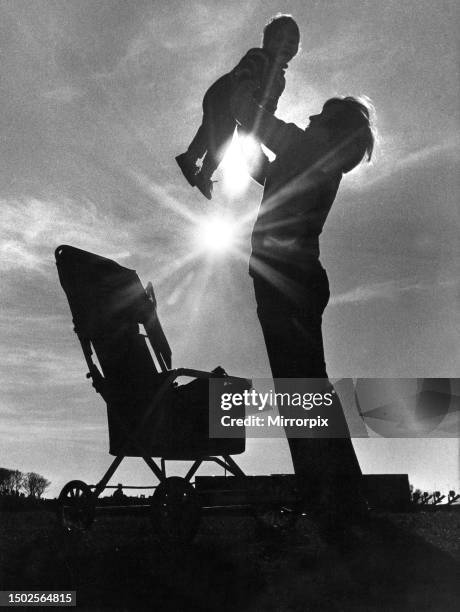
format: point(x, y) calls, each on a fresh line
point(162, 196)
point(174, 266)
point(297, 184)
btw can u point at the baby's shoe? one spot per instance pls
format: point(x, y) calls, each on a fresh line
point(188, 167)
point(204, 184)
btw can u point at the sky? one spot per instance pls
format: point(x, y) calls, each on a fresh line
point(99, 97)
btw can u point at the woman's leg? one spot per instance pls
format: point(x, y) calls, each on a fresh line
point(327, 468)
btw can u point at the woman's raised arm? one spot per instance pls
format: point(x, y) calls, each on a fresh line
point(265, 127)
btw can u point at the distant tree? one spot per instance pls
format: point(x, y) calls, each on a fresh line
point(6, 481)
point(425, 498)
point(35, 484)
point(452, 497)
point(17, 481)
point(437, 497)
point(415, 495)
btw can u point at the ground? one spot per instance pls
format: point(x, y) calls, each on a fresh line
point(404, 562)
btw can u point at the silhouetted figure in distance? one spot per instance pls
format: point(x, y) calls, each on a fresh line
point(291, 286)
point(118, 494)
point(266, 67)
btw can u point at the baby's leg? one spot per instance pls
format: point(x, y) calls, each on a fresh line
point(199, 144)
point(196, 150)
point(212, 137)
point(218, 123)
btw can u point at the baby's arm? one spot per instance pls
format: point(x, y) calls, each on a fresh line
point(256, 66)
point(251, 67)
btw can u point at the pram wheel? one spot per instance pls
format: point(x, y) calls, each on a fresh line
point(76, 506)
point(175, 510)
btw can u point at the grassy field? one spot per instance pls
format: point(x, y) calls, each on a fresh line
point(404, 562)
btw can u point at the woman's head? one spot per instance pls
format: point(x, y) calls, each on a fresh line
point(281, 37)
point(347, 121)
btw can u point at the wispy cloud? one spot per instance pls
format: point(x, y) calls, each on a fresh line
point(47, 223)
point(344, 46)
point(390, 164)
point(388, 290)
point(64, 94)
point(47, 431)
point(38, 367)
point(188, 28)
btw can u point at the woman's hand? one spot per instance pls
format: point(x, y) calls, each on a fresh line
point(263, 126)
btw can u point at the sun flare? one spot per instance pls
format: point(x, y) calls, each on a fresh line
point(216, 235)
point(235, 174)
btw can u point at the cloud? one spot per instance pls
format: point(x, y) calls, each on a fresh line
point(393, 161)
point(340, 49)
point(32, 227)
point(86, 434)
point(35, 367)
point(403, 226)
point(64, 94)
point(389, 290)
point(190, 27)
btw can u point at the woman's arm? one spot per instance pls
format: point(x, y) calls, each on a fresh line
point(258, 166)
point(255, 160)
point(272, 132)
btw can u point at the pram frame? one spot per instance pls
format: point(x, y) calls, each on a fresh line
point(160, 472)
point(82, 513)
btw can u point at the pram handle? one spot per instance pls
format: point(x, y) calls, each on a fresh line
point(202, 374)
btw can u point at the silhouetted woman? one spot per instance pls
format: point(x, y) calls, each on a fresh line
point(291, 286)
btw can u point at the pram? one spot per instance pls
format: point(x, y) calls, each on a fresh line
point(149, 414)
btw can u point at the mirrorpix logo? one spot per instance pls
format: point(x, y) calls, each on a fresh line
point(270, 408)
point(254, 400)
point(409, 407)
point(391, 408)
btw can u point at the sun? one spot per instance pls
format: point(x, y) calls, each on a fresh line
point(217, 234)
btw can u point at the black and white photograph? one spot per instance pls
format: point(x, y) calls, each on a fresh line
point(229, 312)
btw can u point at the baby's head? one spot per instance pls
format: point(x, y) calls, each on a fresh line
point(281, 37)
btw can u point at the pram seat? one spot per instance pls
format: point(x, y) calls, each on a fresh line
point(148, 414)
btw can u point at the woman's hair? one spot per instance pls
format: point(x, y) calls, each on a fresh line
point(275, 23)
point(355, 130)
